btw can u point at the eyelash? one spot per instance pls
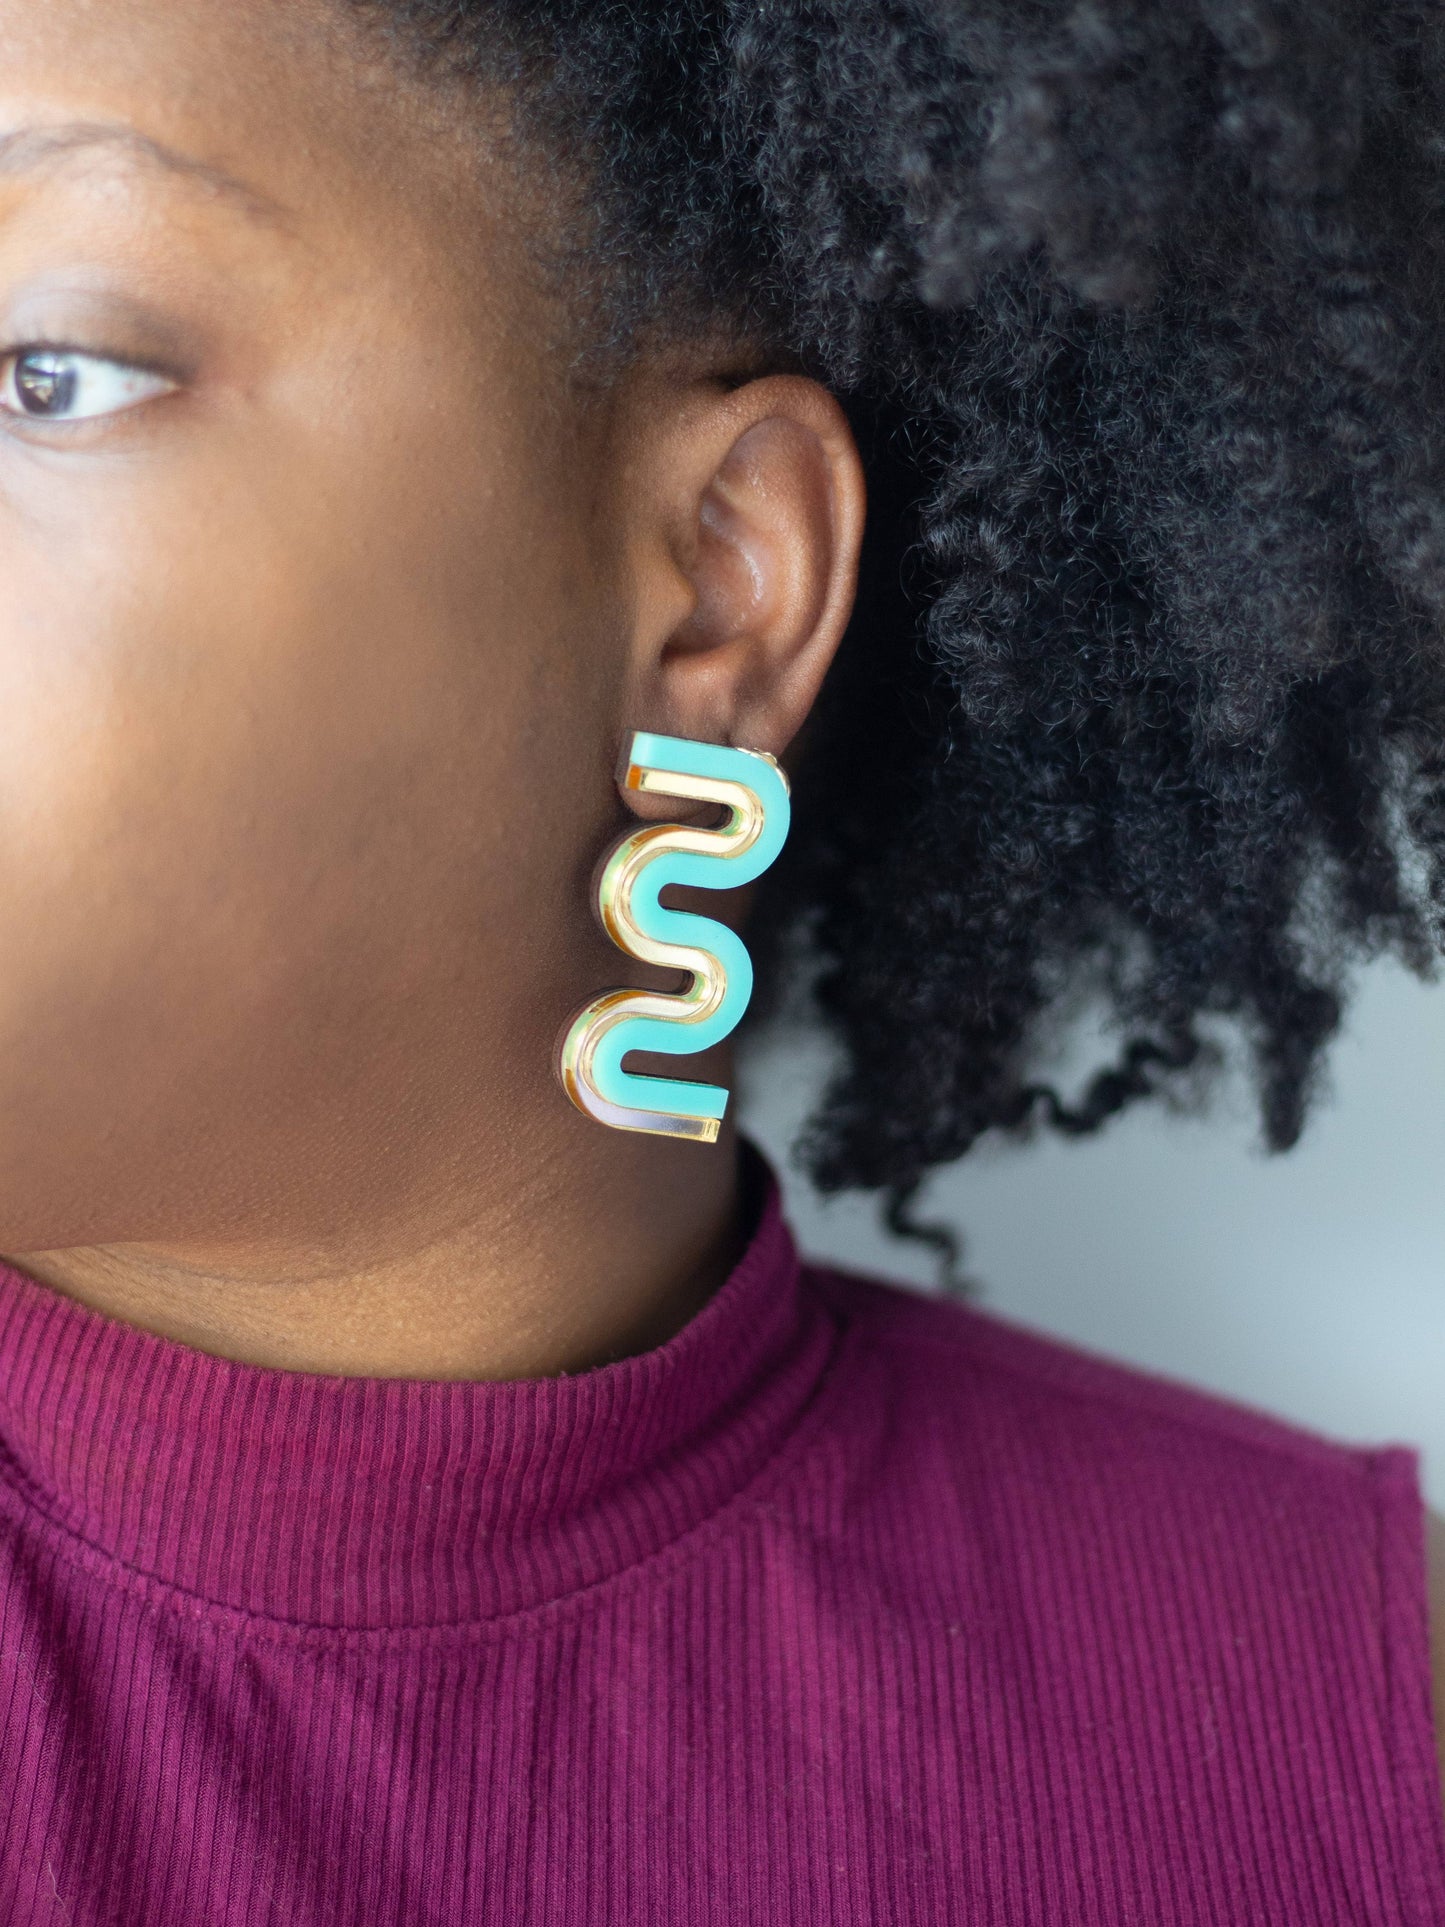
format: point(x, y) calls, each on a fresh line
point(135, 373)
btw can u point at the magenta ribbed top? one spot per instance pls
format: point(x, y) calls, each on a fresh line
point(843, 1606)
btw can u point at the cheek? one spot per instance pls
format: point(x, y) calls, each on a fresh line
point(314, 754)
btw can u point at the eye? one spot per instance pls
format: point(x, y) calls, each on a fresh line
point(65, 385)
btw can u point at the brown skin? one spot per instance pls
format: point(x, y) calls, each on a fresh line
point(313, 675)
point(314, 667)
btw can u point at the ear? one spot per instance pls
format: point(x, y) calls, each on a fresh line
point(747, 525)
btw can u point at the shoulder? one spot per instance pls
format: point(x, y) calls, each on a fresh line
point(960, 1360)
point(1435, 1530)
point(1119, 1514)
point(1068, 1457)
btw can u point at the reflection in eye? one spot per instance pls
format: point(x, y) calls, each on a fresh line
point(61, 384)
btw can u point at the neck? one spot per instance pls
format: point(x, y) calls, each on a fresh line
point(539, 1265)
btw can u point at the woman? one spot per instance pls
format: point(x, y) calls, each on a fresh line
point(427, 1498)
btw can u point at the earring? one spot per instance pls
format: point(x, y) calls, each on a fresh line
point(750, 784)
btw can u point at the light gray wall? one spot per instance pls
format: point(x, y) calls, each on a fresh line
point(1310, 1284)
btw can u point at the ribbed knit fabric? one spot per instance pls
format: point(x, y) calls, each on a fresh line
point(844, 1605)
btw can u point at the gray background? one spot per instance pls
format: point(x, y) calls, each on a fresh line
point(1311, 1284)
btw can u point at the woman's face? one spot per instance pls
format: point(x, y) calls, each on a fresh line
point(327, 602)
point(311, 662)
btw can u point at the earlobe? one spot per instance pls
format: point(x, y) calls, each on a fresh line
point(770, 513)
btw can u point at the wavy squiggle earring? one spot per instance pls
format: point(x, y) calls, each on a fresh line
point(751, 786)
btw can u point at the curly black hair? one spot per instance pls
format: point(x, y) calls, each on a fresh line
point(1137, 308)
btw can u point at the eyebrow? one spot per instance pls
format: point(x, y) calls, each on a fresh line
point(23, 149)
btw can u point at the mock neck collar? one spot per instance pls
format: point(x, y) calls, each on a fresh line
point(360, 1502)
